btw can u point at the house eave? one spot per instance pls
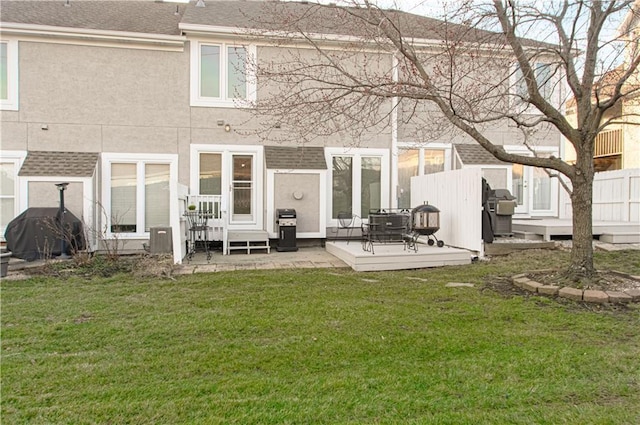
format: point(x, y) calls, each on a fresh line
point(213, 30)
point(92, 36)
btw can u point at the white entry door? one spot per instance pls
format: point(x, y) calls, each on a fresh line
point(520, 187)
point(536, 193)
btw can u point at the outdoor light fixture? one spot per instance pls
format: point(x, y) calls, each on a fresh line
point(227, 127)
point(63, 242)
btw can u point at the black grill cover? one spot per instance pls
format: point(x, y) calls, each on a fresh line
point(35, 234)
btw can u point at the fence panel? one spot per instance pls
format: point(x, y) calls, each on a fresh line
point(616, 196)
point(458, 196)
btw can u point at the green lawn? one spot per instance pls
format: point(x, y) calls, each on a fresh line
point(327, 346)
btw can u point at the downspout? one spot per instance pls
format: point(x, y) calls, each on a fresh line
point(394, 137)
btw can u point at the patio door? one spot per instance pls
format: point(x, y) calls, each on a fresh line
point(242, 187)
point(520, 187)
point(534, 190)
point(233, 177)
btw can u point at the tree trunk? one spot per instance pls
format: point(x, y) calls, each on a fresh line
point(582, 199)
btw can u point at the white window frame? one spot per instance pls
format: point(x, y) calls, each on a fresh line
point(554, 87)
point(225, 100)
point(421, 147)
point(528, 171)
point(140, 160)
point(16, 158)
point(357, 154)
point(11, 103)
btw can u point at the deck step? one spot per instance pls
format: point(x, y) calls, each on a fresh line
point(620, 237)
point(248, 240)
point(529, 236)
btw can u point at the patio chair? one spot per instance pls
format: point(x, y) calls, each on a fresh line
point(346, 221)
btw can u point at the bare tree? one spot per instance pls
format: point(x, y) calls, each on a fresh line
point(351, 70)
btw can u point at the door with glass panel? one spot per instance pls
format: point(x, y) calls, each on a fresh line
point(242, 187)
point(520, 187)
point(236, 172)
point(534, 190)
point(356, 185)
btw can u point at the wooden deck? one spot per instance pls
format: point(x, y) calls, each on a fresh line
point(550, 227)
point(394, 257)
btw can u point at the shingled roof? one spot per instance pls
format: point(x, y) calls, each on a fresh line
point(473, 154)
point(127, 16)
point(294, 158)
point(59, 164)
point(167, 18)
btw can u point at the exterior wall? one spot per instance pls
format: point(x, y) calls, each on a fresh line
point(306, 187)
point(102, 99)
point(45, 194)
point(375, 137)
point(631, 155)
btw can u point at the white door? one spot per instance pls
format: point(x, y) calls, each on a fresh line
point(242, 188)
point(520, 187)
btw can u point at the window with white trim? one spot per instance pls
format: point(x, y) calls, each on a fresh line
point(358, 177)
point(418, 162)
point(543, 73)
point(9, 75)
point(221, 75)
point(8, 190)
point(139, 194)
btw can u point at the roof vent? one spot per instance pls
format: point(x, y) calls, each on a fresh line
point(67, 3)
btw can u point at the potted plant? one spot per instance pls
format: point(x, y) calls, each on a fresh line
point(191, 207)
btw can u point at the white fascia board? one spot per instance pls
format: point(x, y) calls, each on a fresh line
point(81, 34)
point(213, 30)
point(257, 33)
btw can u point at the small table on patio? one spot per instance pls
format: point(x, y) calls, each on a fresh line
point(198, 232)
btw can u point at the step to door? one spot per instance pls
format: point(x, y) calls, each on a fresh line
point(248, 240)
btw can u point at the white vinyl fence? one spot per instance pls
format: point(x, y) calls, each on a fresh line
point(458, 196)
point(616, 197)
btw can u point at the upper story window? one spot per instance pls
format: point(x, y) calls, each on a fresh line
point(545, 80)
point(9, 75)
point(221, 75)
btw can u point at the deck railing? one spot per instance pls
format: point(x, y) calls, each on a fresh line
point(608, 143)
point(211, 205)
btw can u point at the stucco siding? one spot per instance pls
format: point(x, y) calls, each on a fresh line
point(306, 186)
point(106, 86)
point(46, 194)
point(140, 139)
point(64, 137)
point(13, 135)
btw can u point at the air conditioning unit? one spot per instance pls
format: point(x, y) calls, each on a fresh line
point(161, 241)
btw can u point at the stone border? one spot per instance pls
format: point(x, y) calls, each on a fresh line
point(586, 295)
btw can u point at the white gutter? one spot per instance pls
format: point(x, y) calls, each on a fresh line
point(293, 35)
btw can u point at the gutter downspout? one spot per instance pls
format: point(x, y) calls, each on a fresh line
point(394, 136)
